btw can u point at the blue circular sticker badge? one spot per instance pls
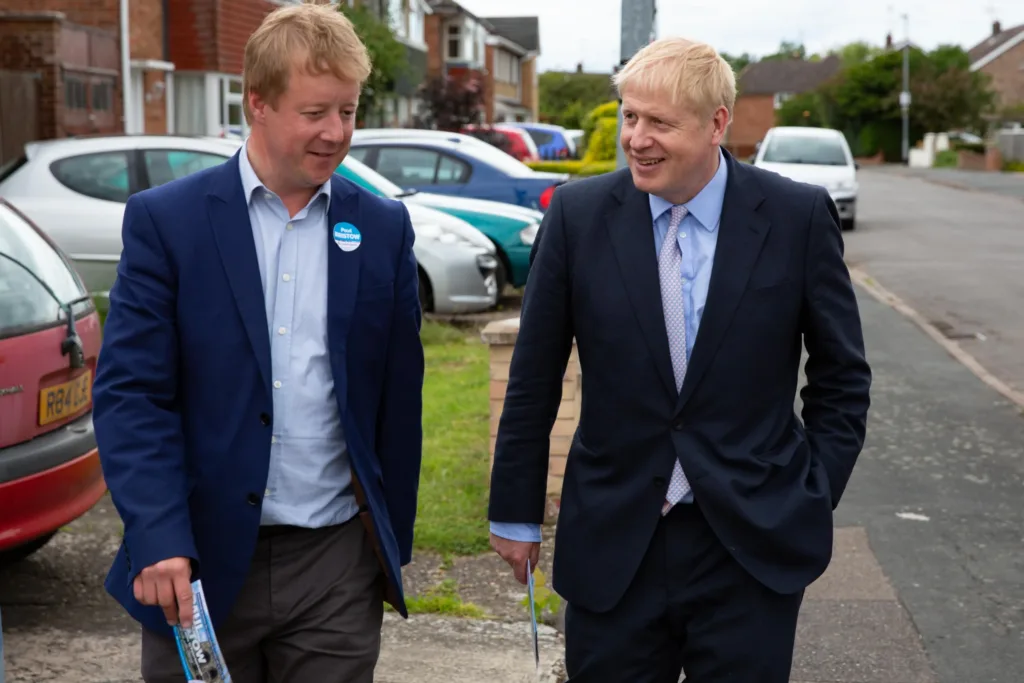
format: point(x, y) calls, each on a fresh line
point(347, 236)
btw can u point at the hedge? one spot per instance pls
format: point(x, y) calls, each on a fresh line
point(576, 168)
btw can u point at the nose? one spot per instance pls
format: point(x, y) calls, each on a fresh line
point(640, 139)
point(334, 129)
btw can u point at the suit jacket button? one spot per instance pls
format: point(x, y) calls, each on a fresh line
point(264, 419)
point(678, 425)
point(253, 499)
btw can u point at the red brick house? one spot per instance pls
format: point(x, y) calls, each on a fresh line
point(501, 53)
point(1001, 56)
point(762, 87)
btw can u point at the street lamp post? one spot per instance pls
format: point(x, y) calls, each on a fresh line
point(905, 94)
point(637, 31)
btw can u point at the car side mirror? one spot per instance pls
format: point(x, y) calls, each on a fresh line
point(856, 165)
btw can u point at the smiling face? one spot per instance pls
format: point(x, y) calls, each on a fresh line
point(672, 150)
point(305, 134)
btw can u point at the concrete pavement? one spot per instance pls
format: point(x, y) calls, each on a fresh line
point(1006, 184)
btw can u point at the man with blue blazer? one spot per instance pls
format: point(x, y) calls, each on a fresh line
point(258, 394)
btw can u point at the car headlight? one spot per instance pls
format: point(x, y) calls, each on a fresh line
point(529, 233)
point(436, 233)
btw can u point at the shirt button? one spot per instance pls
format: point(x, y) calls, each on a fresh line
point(281, 330)
point(273, 439)
point(277, 384)
point(286, 277)
point(266, 494)
point(682, 234)
point(289, 227)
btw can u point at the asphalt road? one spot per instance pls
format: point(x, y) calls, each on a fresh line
point(956, 256)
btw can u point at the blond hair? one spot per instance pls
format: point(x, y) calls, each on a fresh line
point(317, 33)
point(691, 73)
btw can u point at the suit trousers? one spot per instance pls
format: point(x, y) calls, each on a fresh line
point(691, 607)
point(310, 611)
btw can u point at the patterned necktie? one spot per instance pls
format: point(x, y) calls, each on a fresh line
point(670, 272)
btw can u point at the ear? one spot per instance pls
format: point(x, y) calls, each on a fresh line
point(719, 122)
point(258, 107)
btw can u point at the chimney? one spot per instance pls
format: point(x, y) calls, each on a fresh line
point(997, 28)
point(888, 41)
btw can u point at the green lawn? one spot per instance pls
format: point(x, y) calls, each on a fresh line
point(452, 513)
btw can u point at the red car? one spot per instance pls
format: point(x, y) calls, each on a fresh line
point(49, 466)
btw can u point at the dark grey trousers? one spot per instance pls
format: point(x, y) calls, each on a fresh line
point(310, 612)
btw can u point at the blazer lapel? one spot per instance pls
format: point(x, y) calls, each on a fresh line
point(229, 217)
point(741, 235)
point(342, 276)
point(631, 230)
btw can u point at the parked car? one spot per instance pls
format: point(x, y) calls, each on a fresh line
point(515, 142)
point(553, 142)
point(575, 137)
point(49, 341)
point(75, 189)
point(453, 164)
point(512, 228)
point(820, 156)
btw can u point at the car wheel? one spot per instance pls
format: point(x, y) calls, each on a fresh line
point(849, 224)
point(19, 553)
point(426, 297)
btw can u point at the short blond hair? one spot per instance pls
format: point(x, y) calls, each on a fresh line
point(316, 32)
point(692, 73)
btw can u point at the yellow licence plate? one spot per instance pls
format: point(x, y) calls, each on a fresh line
point(64, 400)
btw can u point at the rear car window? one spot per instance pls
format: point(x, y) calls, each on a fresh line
point(103, 175)
point(33, 277)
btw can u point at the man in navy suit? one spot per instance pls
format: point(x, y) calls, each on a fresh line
point(696, 506)
point(258, 395)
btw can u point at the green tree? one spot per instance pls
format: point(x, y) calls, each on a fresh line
point(739, 62)
point(565, 98)
point(856, 53)
point(387, 55)
point(787, 50)
point(805, 109)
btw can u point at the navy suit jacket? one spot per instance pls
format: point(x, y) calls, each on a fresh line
point(183, 409)
point(766, 482)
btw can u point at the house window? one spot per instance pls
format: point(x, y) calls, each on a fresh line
point(780, 98)
point(454, 41)
point(74, 93)
point(417, 25)
point(102, 95)
point(396, 14)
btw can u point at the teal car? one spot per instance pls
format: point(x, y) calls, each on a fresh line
point(512, 228)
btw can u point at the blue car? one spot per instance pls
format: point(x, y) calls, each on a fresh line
point(453, 164)
point(553, 142)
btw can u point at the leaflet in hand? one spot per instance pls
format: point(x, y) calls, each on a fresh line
point(197, 645)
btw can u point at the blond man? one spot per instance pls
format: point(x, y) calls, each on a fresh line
point(258, 396)
point(696, 506)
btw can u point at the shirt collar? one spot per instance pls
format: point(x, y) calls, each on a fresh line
point(251, 182)
point(706, 207)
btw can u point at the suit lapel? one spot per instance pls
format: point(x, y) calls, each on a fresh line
point(342, 276)
point(232, 231)
point(631, 231)
point(742, 232)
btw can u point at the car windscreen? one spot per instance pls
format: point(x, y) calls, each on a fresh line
point(805, 149)
point(370, 178)
point(25, 304)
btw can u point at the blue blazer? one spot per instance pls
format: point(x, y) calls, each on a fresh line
point(183, 408)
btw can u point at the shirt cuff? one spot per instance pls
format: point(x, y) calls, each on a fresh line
point(527, 533)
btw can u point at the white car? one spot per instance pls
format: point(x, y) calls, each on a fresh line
point(75, 189)
point(819, 156)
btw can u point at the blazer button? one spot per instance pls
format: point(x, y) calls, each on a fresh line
point(253, 499)
point(678, 425)
point(264, 419)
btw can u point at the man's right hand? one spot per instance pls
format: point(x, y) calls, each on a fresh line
point(168, 583)
point(516, 553)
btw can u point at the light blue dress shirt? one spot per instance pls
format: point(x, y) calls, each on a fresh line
point(698, 239)
point(310, 481)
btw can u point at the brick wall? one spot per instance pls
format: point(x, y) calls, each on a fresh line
point(27, 45)
point(500, 337)
point(97, 13)
point(491, 86)
point(528, 79)
point(191, 24)
point(753, 115)
point(433, 26)
point(237, 21)
point(1007, 74)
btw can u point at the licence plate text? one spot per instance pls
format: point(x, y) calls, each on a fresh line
point(64, 400)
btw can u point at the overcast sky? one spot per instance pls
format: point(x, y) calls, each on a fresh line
point(587, 31)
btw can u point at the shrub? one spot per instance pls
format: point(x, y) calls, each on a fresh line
point(604, 141)
point(947, 158)
point(575, 168)
point(608, 110)
point(1014, 166)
